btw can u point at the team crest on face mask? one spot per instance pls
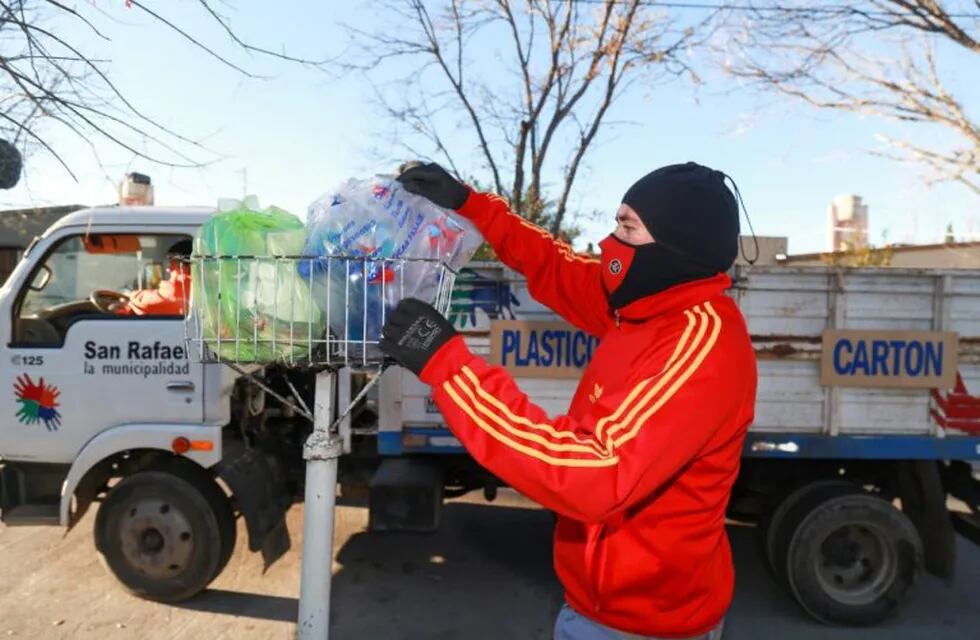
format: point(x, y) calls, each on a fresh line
point(615, 267)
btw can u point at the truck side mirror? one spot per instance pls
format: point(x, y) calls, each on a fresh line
point(41, 279)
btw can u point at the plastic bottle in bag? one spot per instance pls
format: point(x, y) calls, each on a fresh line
point(383, 244)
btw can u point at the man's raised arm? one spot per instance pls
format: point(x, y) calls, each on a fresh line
point(567, 282)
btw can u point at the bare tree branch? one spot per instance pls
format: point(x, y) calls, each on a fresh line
point(563, 108)
point(546, 95)
point(69, 10)
point(625, 56)
point(320, 64)
point(873, 57)
point(457, 81)
point(194, 41)
point(32, 33)
point(48, 80)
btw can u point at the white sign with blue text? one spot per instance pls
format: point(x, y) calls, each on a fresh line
point(902, 359)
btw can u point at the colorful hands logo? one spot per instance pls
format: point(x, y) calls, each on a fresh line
point(38, 402)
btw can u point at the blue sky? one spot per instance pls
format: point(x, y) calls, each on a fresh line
point(298, 133)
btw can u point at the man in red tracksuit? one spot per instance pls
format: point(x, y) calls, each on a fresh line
point(640, 469)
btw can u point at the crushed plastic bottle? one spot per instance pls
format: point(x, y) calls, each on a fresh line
point(373, 243)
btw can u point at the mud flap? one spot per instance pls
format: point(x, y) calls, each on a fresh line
point(920, 487)
point(961, 482)
point(259, 487)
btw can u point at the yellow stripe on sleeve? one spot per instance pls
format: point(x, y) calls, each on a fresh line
point(517, 446)
point(709, 345)
point(630, 421)
point(588, 446)
point(505, 410)
point(693, 318)
point(598, 442)
point(623, 428)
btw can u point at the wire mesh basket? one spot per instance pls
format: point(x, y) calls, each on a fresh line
point(303, 310)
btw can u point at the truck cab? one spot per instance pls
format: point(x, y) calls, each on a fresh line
point(97, 391)
point(77, 349)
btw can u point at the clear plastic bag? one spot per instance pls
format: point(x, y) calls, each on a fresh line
point(257, 309)
point(362, 232)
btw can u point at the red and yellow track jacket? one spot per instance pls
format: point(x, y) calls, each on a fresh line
point(640, 469)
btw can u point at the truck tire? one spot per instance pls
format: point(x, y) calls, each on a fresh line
point(852, 558)
point(166, 532)
point(217, 500)
point(773, 537)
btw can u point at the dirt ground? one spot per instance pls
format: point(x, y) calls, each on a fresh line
point(487, 564)
point(485, 574)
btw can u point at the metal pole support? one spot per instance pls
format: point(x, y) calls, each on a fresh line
point(321, 452)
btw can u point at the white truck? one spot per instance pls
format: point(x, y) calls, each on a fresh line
point(105, 407)
point(109, 408)
point(863, 404)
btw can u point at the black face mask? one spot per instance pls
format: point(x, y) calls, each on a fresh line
point(693, 218)
point(631, 272)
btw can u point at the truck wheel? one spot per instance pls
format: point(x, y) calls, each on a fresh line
point(166, 532)
point(852, 559)
point(773, 537)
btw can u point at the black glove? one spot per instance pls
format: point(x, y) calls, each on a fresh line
point(413, 333)
point(433, 182)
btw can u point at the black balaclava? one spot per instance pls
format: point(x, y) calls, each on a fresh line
point(693, 218)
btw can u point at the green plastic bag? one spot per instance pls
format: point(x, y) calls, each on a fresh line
point(249, 301)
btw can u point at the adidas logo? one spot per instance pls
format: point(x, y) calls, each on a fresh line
point(596, 393)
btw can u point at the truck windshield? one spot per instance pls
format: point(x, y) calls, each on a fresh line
point(102, 275)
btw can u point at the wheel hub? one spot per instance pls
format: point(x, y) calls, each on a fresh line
point(156, 538)
point(855, 564)
point(151, 541)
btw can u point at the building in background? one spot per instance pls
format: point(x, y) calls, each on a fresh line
point(18, 227)
point(771, 250)
point(946, 255)
point(847, 223)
